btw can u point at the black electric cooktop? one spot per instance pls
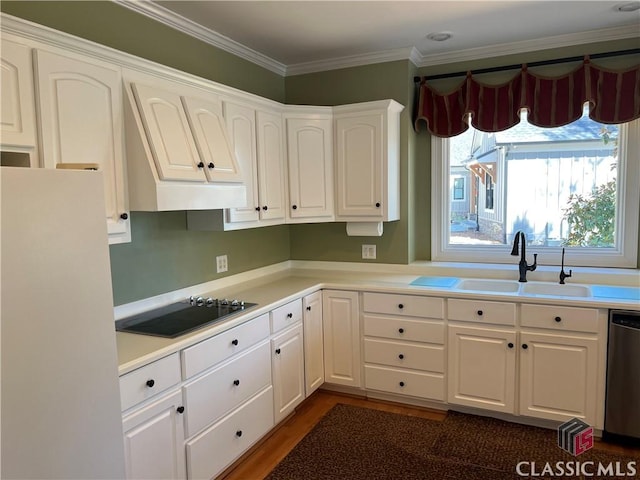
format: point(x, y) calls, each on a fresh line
point(180, 318)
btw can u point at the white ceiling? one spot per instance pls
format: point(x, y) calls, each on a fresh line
point(298, 36)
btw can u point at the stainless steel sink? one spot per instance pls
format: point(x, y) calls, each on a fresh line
point(555, 289)
point(486, 285)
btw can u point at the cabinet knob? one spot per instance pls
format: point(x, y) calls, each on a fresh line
point(265, 208)
point(402, 384)
point(234, 342)
point(377, 204)
point(180, 409)
point(277, 351)
point(236, 382)
point(201, 165)
point(401, 330)
point(289, 315)
point(401, 356)
point(525, 346)
point(558, 319)
point(295, 207)
point(257, 209)
point(480, 313)
point(510, 345)
point(239, 433)
point(124, 216)
point(211, 165)
point(309, 308)
point(400, 306)
point(151, 383)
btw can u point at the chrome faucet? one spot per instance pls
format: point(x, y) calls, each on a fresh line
point(523, 267)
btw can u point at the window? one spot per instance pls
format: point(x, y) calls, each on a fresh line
point(572, 187)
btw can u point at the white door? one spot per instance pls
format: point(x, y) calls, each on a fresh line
point(287, 353)
point(241, 125)
point(212, 140)
point(154, 440)
point(270, 145)
point(558, 376)
point(80, 108)
point(341, 333)
point(167, 129)
point(481, 368)
point(359, 148)
point(17, 120)
point(313, 342)
point(310, 147)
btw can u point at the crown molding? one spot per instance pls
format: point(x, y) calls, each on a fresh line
point(206, 35)
point(558, 41)
point(412, 54)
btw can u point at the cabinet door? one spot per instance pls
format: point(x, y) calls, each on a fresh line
point(81, 122)
point(313, 343)
point(270, 165)
point(167, 129)
point(17, 123)
point(359, 150)
point(309, 146)
point(481, 368)
point(558, 377)
point(288, 371)
point(212, 140)
point(341, 332)
point(154, 440)
point(241, 124)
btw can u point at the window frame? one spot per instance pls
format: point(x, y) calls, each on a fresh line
point(462, 189)
point(623, 255)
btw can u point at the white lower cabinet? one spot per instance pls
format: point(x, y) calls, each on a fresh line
point(210, 452)
point(287, 360)
point(341, 331)
point(154, 439)
point(482, 368)
point(313, 342)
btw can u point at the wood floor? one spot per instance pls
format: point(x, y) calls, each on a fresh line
point(258, 463)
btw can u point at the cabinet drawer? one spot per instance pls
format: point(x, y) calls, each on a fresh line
point(404, 382)
point(404, 329)
point(482, 311)
point(404, 355)
point(218, 392)
point(286, 315)
point(410, 305)
point(216, 448)
point(147, 381)
point(560, 318)
point(205, 354)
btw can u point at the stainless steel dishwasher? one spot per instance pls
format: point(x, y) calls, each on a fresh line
point(622, 407)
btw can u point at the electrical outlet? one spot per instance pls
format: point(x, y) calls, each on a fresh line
point(369, 252)
point(221, 264)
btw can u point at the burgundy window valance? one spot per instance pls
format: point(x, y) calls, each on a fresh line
point(614, 97)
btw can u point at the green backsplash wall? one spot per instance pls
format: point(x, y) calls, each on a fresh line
point(164, 255)
point(329, 241)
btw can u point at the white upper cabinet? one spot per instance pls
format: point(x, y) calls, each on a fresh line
point(80, 106)
point(367, 161)
point(310, 155)
point(17, 120)
point(271, 164)
point(207, 124)
point(166, 125)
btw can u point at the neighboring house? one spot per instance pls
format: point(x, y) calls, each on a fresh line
point(526, 166)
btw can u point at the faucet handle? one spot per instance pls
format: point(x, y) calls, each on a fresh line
point(535, 263)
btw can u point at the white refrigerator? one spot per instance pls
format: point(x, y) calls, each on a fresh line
point(60, 402)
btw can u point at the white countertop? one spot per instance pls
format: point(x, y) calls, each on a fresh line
point(271, 288)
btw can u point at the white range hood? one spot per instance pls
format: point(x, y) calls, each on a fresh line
point(179, 156)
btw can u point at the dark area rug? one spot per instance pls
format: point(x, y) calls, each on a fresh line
point(355, 443)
